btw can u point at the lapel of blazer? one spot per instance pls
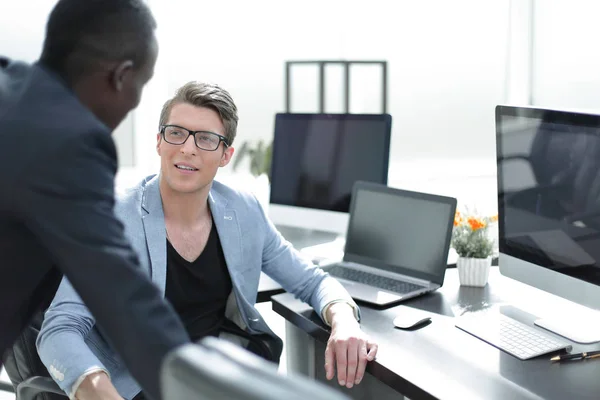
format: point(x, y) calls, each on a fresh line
point(154, 228)
point(228, 228)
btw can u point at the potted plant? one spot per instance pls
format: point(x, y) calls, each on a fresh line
point(474, 246)
point(259, 155)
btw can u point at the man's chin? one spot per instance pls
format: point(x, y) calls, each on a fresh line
point(187, 188)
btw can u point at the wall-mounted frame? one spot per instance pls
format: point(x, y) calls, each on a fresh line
point(346, 64)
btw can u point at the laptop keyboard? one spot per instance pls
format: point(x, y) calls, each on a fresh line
point(372, 280)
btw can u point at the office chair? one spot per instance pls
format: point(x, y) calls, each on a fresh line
point(545, 159)
point(565, 166)
point(216, 369)
point(586, 187)
point(25, 370)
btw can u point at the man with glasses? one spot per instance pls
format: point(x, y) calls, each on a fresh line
point(204, 245)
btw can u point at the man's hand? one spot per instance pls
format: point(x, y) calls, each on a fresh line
point(348, 348)
point(97, 386)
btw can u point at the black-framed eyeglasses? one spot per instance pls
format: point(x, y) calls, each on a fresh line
point(204, 140)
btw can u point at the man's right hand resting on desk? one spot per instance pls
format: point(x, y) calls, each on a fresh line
point(97, 386)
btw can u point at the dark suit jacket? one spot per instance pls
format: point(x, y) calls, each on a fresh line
point(57, 167)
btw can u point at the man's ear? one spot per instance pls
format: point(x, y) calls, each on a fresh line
point(226, 157)
point(120, 74)
point(158, 141)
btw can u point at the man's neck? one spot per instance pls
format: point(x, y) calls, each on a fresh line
point(185, 209)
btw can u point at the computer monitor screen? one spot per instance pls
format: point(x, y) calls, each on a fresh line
point(549, 200)
point(318, 157)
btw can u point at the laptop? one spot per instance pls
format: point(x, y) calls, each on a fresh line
point(397, 244)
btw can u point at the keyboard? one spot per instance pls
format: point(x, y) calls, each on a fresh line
point(514, 337)
point(367, 278)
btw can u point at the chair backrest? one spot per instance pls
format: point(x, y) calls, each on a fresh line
point(570, 156)
point(22, 362)
point(586, 186)
point(552, 144)
point(565, 157)
point(216, 369)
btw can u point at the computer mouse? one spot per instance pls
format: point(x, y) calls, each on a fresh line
point(408, 318)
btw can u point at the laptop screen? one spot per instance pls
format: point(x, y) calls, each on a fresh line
point(400, 231)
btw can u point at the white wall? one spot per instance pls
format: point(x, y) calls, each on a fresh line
point(447, 71)
point(22, 25)
point(241, 46)
point(566, 60)
point(446, 63)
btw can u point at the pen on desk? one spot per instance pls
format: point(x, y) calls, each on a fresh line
point(577, 356)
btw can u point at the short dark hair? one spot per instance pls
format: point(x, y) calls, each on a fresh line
point(82, 33)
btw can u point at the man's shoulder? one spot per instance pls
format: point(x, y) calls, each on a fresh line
point(42, 123)
point(234, 197)
point(14, 77)
point(129, 198)
point(41, 104)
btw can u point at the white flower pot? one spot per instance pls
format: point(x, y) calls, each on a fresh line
point(473, 271)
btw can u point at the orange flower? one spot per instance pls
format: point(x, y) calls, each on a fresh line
point(457, 219)
point(494, 218)
point(475, 223)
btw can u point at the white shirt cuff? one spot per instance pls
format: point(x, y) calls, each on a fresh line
point(79, 380)
point(352, 305)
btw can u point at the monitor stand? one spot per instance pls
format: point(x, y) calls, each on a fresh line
point(582, 330)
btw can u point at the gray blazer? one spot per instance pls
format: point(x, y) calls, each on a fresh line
point(69, 344)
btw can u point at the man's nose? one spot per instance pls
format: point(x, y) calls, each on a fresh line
point(189, 146)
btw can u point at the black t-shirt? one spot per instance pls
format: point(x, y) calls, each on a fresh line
point(198, 290)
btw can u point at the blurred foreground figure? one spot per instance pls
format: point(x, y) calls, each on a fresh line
point(58, 163)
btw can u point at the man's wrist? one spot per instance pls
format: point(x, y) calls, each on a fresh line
point(341, 312)
point(96, 385)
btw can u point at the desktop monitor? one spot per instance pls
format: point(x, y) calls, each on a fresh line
point(549, 210)
point(316, 160)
